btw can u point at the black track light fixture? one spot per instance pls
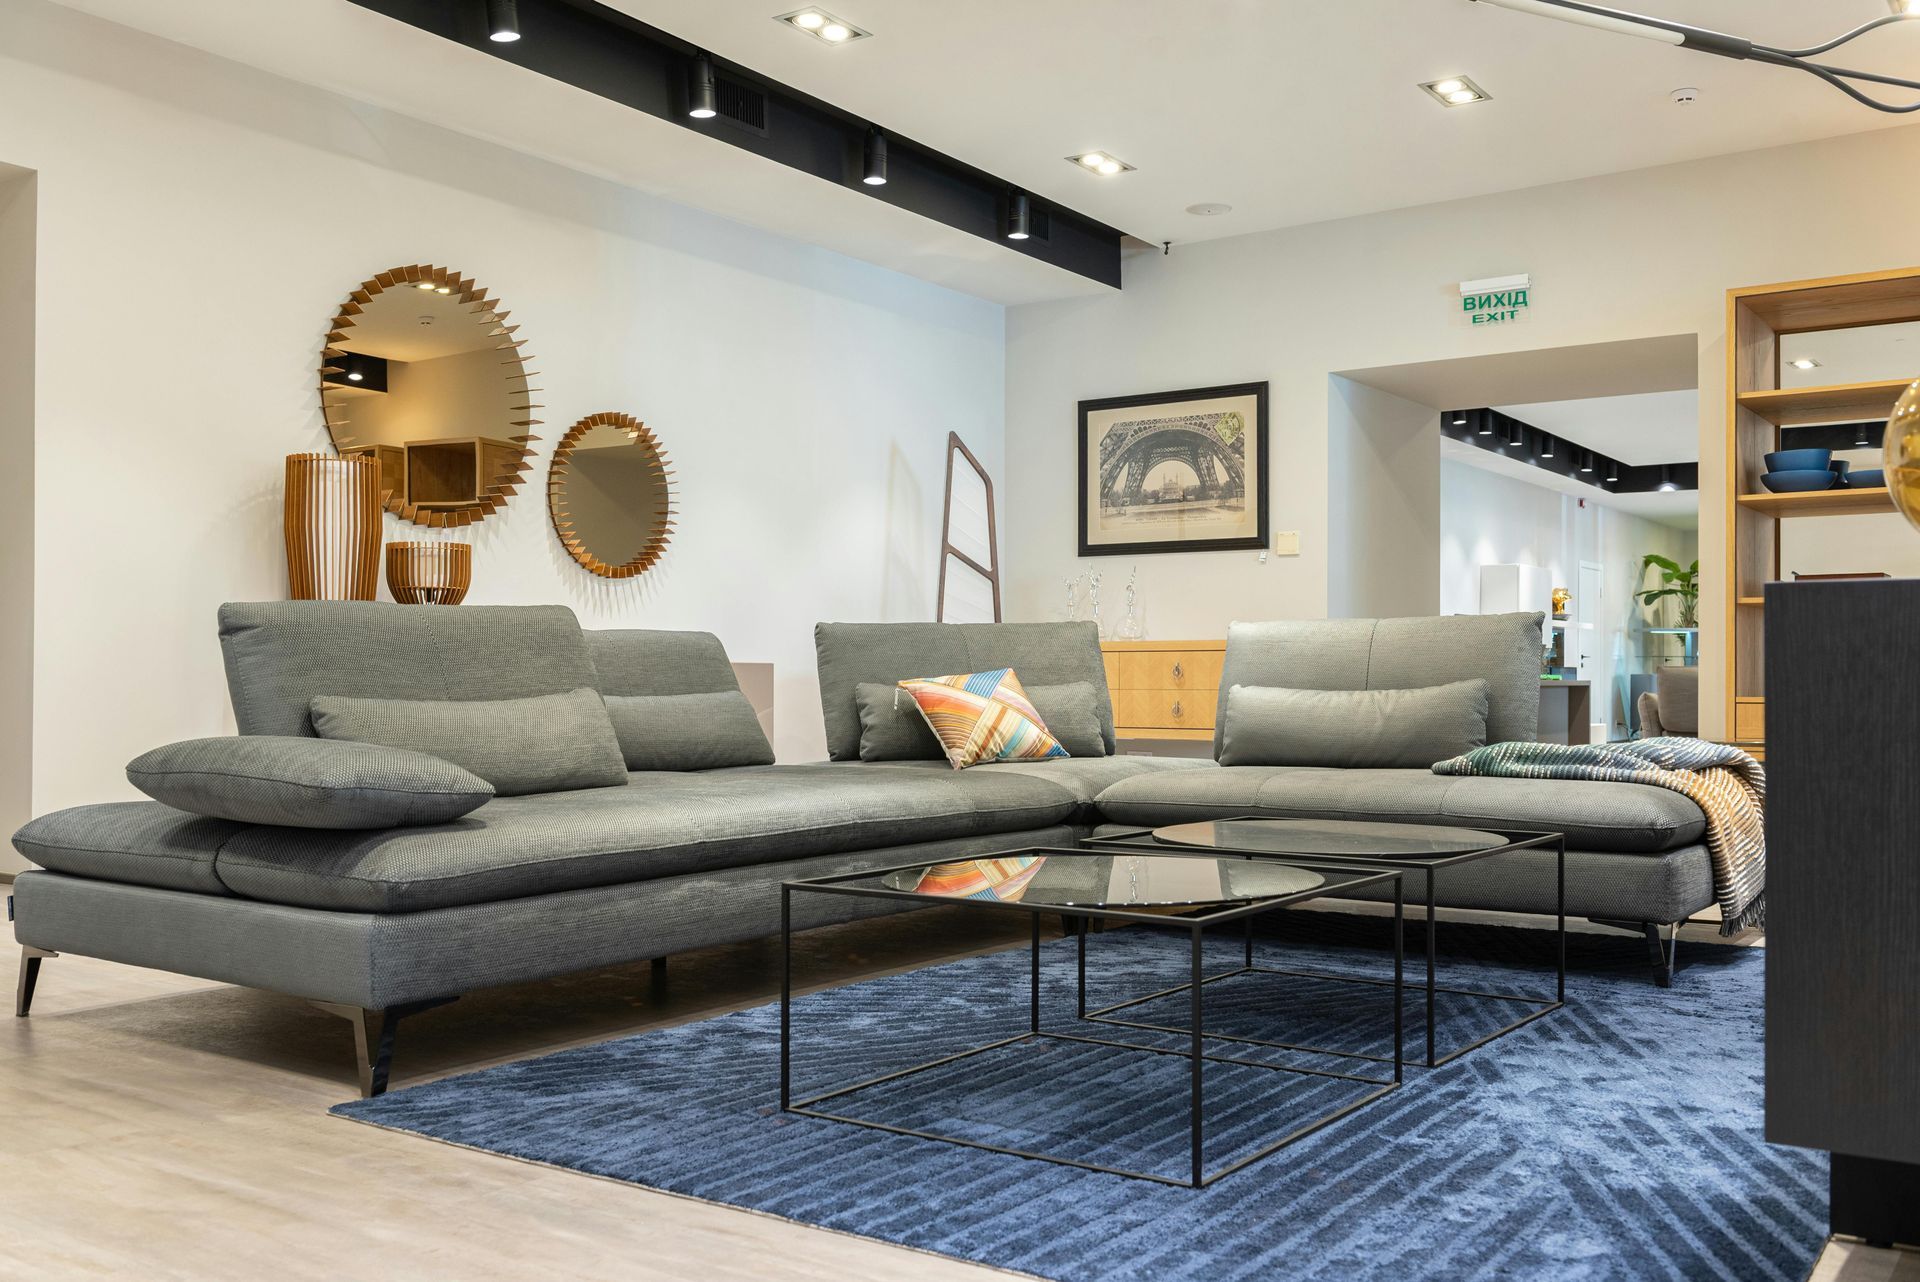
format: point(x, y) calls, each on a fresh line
point(1863, 434)
point(874, 170)
point(1019, 218)
point(700, 91)
point(1484, 422)
point(1516, 434)
point(1666, 479)
point(503, 21)
point(1586, 461)
point(1613, 472)
point(1546, 445)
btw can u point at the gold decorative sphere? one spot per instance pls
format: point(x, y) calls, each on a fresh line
point(1901, 454)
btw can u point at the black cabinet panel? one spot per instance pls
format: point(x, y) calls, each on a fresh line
point(1843, 850)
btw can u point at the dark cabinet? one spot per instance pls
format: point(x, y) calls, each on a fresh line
point(1843, 891)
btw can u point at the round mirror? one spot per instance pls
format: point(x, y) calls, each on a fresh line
point(611, 500)
point(422, 374)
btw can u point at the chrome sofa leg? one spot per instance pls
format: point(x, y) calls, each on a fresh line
point(30, 959)
point(373, 1035)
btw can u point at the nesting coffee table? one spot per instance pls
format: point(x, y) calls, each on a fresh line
point(1430, 849)
point(1183, 890)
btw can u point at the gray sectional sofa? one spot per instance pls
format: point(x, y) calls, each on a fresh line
point(374, 924)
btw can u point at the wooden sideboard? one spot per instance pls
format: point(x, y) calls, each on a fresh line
point(1163, 689)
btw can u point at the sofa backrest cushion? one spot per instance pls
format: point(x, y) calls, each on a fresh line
point(1395, 654)
point(280, 654)
point(1041, 654)
point(1678, 690)
point(637, 662)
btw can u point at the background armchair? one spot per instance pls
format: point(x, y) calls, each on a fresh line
point(1673, 705)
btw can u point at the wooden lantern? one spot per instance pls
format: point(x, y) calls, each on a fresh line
point(429, 573)
point(332, 528)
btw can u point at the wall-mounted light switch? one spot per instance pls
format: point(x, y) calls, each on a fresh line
point(1287, 543)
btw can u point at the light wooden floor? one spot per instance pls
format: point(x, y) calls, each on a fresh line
point(158, 1127)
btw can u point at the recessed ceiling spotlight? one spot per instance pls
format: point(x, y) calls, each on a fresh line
point(503, 21)
point(1210, 208)
point(1805, 362)
point(425, 284)
point(823, 26)
point(1101, 163)
point(354, 376)
point(444, 289)
point(1455, 91)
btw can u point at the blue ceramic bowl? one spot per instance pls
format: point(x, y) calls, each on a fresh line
point(1800, 461)
point(1867, 478)
point(1796, 480)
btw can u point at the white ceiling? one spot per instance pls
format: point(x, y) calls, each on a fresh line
point(1296, 111)
point(1657, 427)
point(1290, 111)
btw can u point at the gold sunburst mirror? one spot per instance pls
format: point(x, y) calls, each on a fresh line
point(611, 494)
point(423, 374)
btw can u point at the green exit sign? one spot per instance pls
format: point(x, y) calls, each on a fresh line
point(1496, 301)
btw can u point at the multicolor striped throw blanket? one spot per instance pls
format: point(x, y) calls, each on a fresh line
point(1726, 783)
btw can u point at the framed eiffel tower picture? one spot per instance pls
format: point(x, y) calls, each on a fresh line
point(1174, 472)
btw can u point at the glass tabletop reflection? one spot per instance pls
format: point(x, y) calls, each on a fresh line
point(1110, 880)
point(1332, 837)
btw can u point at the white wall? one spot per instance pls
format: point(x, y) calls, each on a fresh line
point(1622, 257)
point(17, 294)
point(1489, 519)
point(199, 225)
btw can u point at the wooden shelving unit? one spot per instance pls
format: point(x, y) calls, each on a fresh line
point(1757, 408)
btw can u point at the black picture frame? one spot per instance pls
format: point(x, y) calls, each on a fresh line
point(1087, 486)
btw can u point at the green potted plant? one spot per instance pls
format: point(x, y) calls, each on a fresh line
point(1681, 585)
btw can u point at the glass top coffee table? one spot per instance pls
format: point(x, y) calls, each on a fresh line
point(1429, 849)
point(1185, 892)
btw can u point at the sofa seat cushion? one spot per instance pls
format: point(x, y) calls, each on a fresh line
point(659, 825)
point(1081, 778)
point(1628, 817)
point(142, 842)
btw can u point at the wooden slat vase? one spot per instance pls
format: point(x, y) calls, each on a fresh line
point(332, 527)
point(429, 573)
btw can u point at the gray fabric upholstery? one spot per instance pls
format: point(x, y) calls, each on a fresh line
point(660, 825)
point(1396, 654)
point(547, 743)
point(1649, 705)
point(1083, 778)
point(1625, 817)
point(635, 662)
point(280, 654)
point(883, 653)
point(1666, 887)
point(689, 731)
point(374, 961)
point(306, 783)
point(891, 727)
point(1677, 693)
point(142, 842)
point(1271, 726)
point(1072, 713)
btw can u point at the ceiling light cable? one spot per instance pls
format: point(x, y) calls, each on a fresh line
point(1739, 48)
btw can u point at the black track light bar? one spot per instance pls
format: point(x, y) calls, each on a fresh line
point(1523, 443)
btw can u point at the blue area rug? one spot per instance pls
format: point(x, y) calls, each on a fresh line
point(1617, 1138)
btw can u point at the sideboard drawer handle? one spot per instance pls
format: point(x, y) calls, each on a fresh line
point(1176, 709)
point(1177, 671)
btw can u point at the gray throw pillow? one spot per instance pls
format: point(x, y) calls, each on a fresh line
point(1382, 729)
point(547, 743)
point(1072, 717)
point(296, 782)
point(891, 727)
point(689, 731)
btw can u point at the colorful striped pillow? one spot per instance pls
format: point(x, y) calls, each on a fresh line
point(983, 716)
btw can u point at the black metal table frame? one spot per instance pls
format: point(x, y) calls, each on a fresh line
point(1195, 1051)
point(1139, 840)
